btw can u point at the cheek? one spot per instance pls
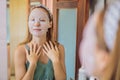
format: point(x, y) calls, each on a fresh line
point(30, 25)
point(45, 25)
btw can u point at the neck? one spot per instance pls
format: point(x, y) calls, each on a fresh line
point(39, 40)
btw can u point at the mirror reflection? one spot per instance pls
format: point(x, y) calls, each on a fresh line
point(39, 54)
point(19, 24)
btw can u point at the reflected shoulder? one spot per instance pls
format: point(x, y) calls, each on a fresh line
point(20, 51)
point(61, 47)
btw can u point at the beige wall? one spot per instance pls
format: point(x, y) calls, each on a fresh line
point(18, 24)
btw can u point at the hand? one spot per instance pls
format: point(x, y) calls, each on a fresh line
point(51, 51)
point(34, 54)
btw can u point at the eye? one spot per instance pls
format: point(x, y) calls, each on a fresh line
point(33, 19)
point(43, 20)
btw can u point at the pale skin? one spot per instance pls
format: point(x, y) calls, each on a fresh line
point(95, 59)
point(40, 50)
point(102, 58)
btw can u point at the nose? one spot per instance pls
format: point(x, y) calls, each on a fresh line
point(37, 24)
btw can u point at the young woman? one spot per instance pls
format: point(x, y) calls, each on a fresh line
point(39, 57)
point(100, 49)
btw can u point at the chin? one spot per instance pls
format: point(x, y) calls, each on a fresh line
point(38, 34)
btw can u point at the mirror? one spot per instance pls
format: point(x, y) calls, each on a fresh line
point(18, 14)
point(67, 26)
point(18, 21)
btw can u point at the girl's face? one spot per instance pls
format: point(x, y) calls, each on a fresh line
point(38, 22)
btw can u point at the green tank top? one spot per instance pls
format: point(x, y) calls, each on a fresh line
point(43, 71)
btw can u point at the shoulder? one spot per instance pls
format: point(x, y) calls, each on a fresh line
point(20, 49)
point(61, 47)
point(61, 51)
point(20, 52)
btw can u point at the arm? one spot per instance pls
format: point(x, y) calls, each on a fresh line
point(20, 69)
point(59, 66)
point(20, 61)
point(58, 59)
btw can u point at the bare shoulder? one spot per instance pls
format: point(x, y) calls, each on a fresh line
point(62, 56)
point(20, 61)
point(20, 53)
point(62, 51)
point(20, 50)
point(61, 48)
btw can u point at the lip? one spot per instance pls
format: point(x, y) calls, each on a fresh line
point(37, 29)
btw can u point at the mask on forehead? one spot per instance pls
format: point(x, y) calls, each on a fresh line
point(45, 8)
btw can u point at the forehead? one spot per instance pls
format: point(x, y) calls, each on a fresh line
point(38, 12)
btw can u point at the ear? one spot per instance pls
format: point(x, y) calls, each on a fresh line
point(50, 24)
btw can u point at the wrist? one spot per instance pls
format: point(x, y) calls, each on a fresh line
point(33, 64)
point(55, 61)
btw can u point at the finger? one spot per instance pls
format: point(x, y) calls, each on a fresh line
point(56, 48)
point(45, 52)
point(51, 44)
point(48, 46)
point(30, 48)
point(34, 49)
point(39, 54)
point(46, 49)
point(38, 50)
